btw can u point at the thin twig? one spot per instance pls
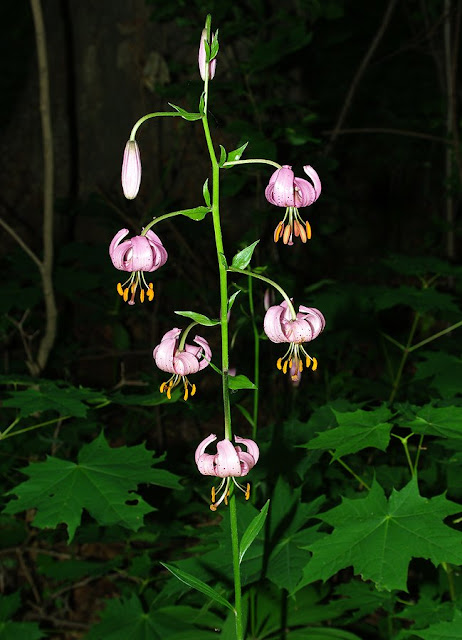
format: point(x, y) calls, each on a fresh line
point(359, 73)
point(46, 343)
point(27, 574)
point(21, 243)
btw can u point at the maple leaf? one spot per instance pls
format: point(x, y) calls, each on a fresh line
point(103, 481)
point(443, 630)
point(356, 431)
point(378, 537)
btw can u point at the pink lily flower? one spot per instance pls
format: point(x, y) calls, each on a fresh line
point(138, 254)
point(284, 190)
point(180, 359)
point(280, 327)
point(202, 57)
point(131, 170)
point(228, 463)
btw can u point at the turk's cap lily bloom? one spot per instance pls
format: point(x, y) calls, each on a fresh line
point(202, 57)
point(131, 170)
point(279, 326)
point(181, 361)
point(285, 190)
point(230, 462)
point(137, 255)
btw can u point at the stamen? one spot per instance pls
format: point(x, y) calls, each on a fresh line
point(287, 234)
point(300, 366)
point(150, 292)
point(213, 494)
point(169, 392)
point(193, 389)
point(226, 497)
point(296, 228)
point(308, 362)
point(315, 364)
point(278, 364)
point(213, 507)
point(284, 368)
point(162, 387)
point(303, 236)
point(308, 230)
point(126, 294)
point(278, 231)
point(290, 363)
point(185, 397)
point(120, 290)
point(142, 295)
point(247, 492)
point(133, 287)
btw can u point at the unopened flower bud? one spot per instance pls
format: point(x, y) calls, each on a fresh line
point(131, 170)
point(202, 57)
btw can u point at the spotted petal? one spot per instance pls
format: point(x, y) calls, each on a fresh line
point(227, 461)
point(252, 447)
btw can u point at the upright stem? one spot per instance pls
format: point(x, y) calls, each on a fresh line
point(223, 280)
point(46, 268)
point(256, 357)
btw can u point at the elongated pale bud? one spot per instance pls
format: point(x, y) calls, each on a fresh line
point(202, 57)
point(131, 170)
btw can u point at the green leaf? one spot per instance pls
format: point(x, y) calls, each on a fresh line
point(198, 317)
point(443, 630)
point(186, 114)
point(195, 583)
point(378, 537)
point(202, 104)
point(232, 299)
point(253, 530)
point(102, 482)
point(206, 193)
point(445, 370)
point(48, 396)
point(215, 46)
point(242, 259)
point(240, 382)
point(421, 300)
point(445, 422)
point(222, 156)
point(20, 631)
point(236, 154)
point(357, 430)
point(421, 266)
point(198, 213)
point(246, 414)
point(223, 261)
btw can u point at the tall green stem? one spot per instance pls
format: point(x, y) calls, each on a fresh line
point(223, 280)
point(256, 363)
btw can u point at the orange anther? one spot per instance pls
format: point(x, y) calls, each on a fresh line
point(150, 293)
point(315, 364)
point(120, 291)
point(296, 228)
point(308, 230)
point(185, 397)
point(162, 387)
point(278, 364)
point(142, 295)
point(169, 393)
point(193, 389)
point(278, 231)
point(287, 234)
point(300, 366)
point(213, 494)
point(284, 368)
point(247, 492)
point(126, 294)
point(303, 236)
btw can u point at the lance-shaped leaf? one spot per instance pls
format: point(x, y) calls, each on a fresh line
point(197, 213)
point(195, 583)
point(232, 299)
point(206, 193)
point(198, 317)
point(378, 537)
point(236, 154)
point(187, 115)
point(240, 382)
point(242, 259)
point(222, 156)
point(102, 482)
point(253, 530)
point(356, 431)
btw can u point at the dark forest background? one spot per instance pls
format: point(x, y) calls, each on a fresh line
point(368, 92)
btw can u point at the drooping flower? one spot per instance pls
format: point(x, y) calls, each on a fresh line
point(279, 326)
point(138, 254)
point(284, 190)
point(131, 170)
point(180, 359)
point(202, 57)
point(228, 463)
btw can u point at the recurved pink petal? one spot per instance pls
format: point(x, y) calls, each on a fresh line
point(173, 333)
point(227, 461)
point(201, 447)
point(314, 317)
point(304, 193)
point(299, 331)
point(163, 355)
point(315, 178)
point(159, 252)
point(131, 170)
point(116, 239)
point(252, 447)
point(121, 256)
point(141, 257)
point(272, 324)
point(206, 352)
point(283, 188)
point(185, 363)
point(206, 464)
